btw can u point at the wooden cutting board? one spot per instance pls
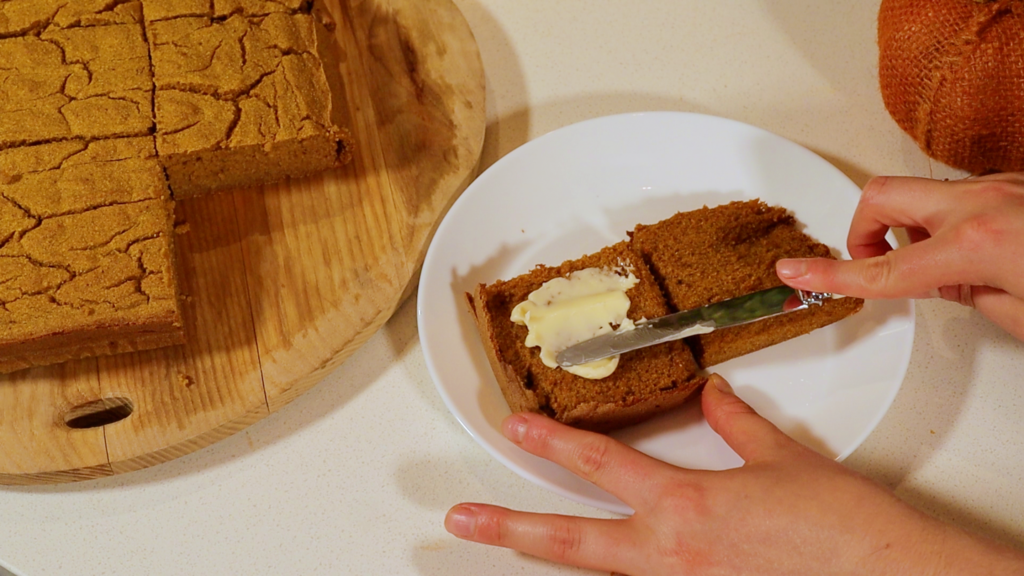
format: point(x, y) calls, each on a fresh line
point(282, 283)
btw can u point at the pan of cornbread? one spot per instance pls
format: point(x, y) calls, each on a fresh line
point(206, 205)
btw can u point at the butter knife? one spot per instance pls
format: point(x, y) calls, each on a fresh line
point(734, 312)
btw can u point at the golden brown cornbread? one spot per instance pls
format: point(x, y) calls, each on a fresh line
point(24, 17)
point(646, 382)
point(86, 260)
point(714, 254)
point(86, 255)
point(242, 102)
point(156, 10)
point(87, 83)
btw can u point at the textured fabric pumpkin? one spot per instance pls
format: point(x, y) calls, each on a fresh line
point(952, 76)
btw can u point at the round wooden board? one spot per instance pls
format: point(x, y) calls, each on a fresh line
point(282, 284)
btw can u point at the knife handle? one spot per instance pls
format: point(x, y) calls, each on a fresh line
point(814, 298)
point(802, 300)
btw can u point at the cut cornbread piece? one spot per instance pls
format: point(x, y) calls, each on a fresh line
point(646, 382)
point(156, 10)
point(87, 82)
point(242, 102)
point(25, 17)
point(714, 254)
point(86, 255)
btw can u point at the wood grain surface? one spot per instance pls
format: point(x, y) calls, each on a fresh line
point(283, 283)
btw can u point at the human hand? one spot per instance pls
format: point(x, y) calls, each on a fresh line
point(967, 245)
point(788, 510)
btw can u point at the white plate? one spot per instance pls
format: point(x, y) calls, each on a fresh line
point(580, 188)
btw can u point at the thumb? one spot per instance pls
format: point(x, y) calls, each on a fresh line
point(745, 431)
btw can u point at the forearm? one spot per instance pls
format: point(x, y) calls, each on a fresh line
point(939, 549)
point(904, 541)
point(968, 554)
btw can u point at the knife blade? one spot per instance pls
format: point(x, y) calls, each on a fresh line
point(741, 310)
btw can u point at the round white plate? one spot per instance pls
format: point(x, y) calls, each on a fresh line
point(580, 188)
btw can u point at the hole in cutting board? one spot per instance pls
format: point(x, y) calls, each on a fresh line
point(99, 413)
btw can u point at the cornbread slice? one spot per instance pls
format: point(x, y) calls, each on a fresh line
point(242, 101)
point(646, 382)
point(28, 17)
point(86, 255)
point(714, 254)
point(79, 83)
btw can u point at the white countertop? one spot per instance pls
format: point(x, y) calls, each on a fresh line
point(355, 476)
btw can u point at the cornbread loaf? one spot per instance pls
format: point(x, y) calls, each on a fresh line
point(106, 108)
point(647, 382)
point(86, 256)
point(687, 261)
point(714, 254)
point(242, 101)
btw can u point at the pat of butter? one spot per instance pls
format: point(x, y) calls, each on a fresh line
point(567, 311)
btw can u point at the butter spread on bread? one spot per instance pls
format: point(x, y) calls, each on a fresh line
point(567, 311)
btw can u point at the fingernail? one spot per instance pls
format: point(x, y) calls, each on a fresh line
point(461, 521)
point(791, 269)
point(721, 384)
point(515, 428)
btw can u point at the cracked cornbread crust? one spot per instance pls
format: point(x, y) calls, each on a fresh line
point(157, 10)
point(106, 106)
point(28, 17)
point(242, 101)
point(86, 256)
point(87, 83)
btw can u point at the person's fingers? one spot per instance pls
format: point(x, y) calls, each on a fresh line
point(1002, 308)
point(905, 273)
point(893, 202)
point(594, 457)
point(999, 306)
point(961, 294)
point(745, 431)
point(606, 545)
point(1011, 177)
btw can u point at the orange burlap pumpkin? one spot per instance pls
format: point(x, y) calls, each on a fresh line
point(952, 76)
